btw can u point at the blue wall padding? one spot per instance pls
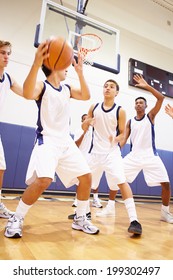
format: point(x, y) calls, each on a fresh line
point(18, 142)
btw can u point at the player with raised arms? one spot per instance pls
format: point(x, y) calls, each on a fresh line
point(54, 150)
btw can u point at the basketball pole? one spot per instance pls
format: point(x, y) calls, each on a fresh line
point(81, 7)
point(79, 24)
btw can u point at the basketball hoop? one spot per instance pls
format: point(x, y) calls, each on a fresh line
point(87, 44)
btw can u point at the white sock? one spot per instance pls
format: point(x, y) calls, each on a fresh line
point(0, 196)
point(22, 209)
point(95, 195)
point(111, 203)
point(131, 209)
point(88, 207)
point(165, 208)
point(82, 207)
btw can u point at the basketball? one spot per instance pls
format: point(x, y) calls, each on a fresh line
point(60, 54)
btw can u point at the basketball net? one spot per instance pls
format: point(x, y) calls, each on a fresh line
point(87, 44)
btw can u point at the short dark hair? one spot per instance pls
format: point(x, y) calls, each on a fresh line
point(45, 70)
point(83, 116)
point(140, 97)
point(113, 81)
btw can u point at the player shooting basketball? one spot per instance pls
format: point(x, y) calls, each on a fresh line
point(54, 150)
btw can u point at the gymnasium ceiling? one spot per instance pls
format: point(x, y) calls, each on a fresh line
point(167, 4)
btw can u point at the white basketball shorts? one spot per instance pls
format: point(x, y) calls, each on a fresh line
point(152, 166)
point(49, 158)
point(112, 165)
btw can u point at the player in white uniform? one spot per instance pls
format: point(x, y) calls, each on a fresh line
point(6, 83)
point(109, 125)
point(143, 155)
point(54, 150)
point(83, 141)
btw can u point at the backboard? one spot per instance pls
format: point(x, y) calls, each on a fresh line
point(57, 20)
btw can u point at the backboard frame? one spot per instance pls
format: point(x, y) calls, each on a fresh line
point(83, 19)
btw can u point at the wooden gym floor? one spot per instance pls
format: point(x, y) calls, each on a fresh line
point(47, 234)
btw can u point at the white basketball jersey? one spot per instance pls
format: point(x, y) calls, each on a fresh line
point(86, 141)
point(142, 137)
point(106, 125)
point(5, 85)
point(53, 114)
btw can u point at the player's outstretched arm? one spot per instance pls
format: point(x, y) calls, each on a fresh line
point(141, 82)
point(16, 88)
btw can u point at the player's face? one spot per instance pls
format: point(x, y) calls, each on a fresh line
point(110, 90)
point(5, 52)
point(140, 105)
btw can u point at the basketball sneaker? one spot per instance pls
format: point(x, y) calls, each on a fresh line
point(13, 228)
point(4, 212)
point(166, 217)
point(135, 228)
point(96, 203)
point(71, 217)
point(106, 212)
point(82, 223)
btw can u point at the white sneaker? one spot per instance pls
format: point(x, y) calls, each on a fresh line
point(166, 217)
point(13, 228)
point(96, 203)
point(4, 212)
point(106, 212)
point(81, 223)
point(71, 217)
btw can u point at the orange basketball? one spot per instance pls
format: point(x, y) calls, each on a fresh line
point(60, 54)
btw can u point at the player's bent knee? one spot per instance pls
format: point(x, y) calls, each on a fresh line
point(85, 179)
point(43, 182)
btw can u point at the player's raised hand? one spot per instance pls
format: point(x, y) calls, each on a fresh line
point(78, 65)
point(41, 53)
point(140, 81)
point(169, 110)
